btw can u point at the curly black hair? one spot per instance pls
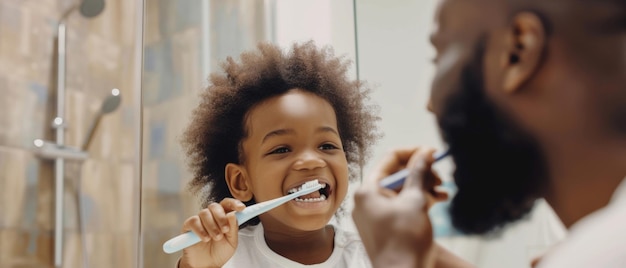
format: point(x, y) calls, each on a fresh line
point(214, 135)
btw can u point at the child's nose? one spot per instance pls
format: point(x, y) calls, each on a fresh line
point(309, 160)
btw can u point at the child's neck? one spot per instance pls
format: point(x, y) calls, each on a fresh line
point(306, 247)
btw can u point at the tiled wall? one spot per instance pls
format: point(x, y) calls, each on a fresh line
point(100, 53)
point(172, 80)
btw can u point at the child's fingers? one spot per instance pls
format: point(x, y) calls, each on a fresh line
point(231, 204)
point(209, 224)
point(231, 235)
point(219, 216)
point(194, 224)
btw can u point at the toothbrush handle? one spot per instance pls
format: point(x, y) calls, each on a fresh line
point(189, 238)
point(395, 180)
point(180, 242)
point(260, 208)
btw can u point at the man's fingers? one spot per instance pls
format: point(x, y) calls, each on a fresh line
point(393, 161)
point(420, 166)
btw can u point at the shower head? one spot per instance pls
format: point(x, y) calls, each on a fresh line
point(91, 8)
point(109, 105)
point(111, 102)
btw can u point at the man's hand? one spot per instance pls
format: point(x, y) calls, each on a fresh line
point(394, 226)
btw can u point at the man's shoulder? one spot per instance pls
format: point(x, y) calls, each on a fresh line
point(598, 240)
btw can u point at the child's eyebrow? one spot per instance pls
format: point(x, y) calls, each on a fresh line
point(327, 129)
point(280, 132)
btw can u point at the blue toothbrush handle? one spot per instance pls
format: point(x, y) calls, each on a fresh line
point(396, 180)
point(189, 239)
point(180, 242)
point(254, 210)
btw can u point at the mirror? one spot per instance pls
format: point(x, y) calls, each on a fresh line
point(399, 62)
point(184, 41)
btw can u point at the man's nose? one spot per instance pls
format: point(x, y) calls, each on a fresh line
point(429, 106)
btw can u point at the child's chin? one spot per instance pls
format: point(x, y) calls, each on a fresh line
point(312, 224)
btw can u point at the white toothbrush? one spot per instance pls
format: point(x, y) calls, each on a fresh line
point(189, 238)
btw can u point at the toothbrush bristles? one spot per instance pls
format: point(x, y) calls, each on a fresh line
point(310, 184)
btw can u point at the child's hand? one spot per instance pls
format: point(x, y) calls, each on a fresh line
point(217, 227)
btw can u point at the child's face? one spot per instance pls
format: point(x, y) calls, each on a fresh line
point(292, 139)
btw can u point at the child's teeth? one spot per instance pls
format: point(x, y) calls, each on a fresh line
point(318, 199)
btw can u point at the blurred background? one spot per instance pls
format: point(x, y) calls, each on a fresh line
point(96, 95)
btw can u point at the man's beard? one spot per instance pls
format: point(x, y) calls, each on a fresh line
point(616, 112)
point(500, 169)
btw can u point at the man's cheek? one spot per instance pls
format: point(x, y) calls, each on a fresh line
point(448, 78)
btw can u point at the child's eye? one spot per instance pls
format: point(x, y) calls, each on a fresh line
point(280, 150)
point(328, 146)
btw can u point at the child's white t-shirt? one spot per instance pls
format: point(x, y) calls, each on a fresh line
point(252, 251)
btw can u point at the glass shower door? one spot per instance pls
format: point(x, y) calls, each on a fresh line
point(59, 62)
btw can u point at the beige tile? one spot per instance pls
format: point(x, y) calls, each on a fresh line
point(16, 103)
point(128, 208)
point(186, 57)
point(125, 249)
point(101, 249)
point(152, 31)
point(153, 250)
point(13, 244)
point(72, 250)
point(97, 195)
point(45, 197)
point(13, 187)
point(80, 111)
point(45, 248)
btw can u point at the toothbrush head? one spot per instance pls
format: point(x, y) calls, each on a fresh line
point(307, 188)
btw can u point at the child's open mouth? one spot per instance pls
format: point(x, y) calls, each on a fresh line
point(316, 196)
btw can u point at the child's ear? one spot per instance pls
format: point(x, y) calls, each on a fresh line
point(238, 184)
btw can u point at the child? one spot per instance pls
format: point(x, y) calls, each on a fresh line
point(269, 124)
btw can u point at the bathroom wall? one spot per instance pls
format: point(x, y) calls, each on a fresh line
point(101, 56)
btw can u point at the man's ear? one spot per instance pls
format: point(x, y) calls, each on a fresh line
point(238, 182)
point(526, 43)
